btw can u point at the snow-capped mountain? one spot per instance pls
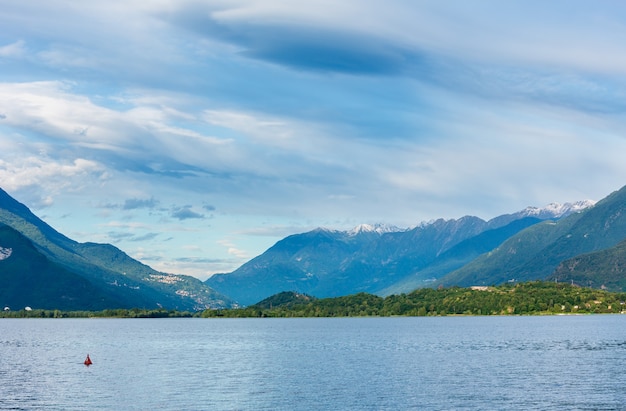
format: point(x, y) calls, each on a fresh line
point(552, 211)
point(368, 258)
point(548, 212)
point(376, 258)
point(557, 210)
point(376, 228)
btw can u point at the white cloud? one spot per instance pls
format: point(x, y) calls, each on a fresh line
point(13, 50)
point(232, 249)
point(274, 231)
point(565, 34)
point(272, 131)
point(130, 225)
point(58, 176)
point(41, 179)
point(51, 111)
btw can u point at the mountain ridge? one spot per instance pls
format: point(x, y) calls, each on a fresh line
point(604, 269)
point(531, 244)
point(371, 258)
point(128, 282)
point(537, 251)
point(26, 266)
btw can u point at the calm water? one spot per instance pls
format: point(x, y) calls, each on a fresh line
point(500, 363)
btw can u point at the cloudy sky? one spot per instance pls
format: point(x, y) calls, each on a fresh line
point(195, 134)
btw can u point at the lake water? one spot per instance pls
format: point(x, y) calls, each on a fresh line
point(445, 363)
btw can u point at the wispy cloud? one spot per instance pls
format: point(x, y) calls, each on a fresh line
point(267, 116)
point(28, 174)
point(13, 50)
point(232, 249)
point(145, 237)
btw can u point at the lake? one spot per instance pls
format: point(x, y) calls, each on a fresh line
point(423, 363)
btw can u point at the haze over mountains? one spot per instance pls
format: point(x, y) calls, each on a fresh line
point(578, 242)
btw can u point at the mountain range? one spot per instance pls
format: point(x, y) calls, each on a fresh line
point(527, 245)
point(42, 268)
point(582, 243)
point(538, 251)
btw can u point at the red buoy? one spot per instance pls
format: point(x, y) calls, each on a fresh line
point(88, 361)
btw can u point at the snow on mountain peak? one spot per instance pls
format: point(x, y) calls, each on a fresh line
point(376, 228)
point(557, 210)
point(550, 211)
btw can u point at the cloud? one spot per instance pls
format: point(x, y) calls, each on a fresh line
point(203, 260)
point(31, 171)
point(135, 203)
point(288, 115)
point(127, 231)
point(267, 130)
point(185, 213)
point(276, 231)
point(231, 249)
point(126, 225)
point(367, 37)
point(201, 268)
point(141, 138)
point(329, 51)
point(145, 237)
point(116, 236)
point(43, 178)
point(49, 110)
point(489, 50)
point(13, 50)
point(273, 34)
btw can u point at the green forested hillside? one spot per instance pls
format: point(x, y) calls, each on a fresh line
point(459, 255)
point(115, 279)
point(284, 299)
point(601, 269)
point(521, 299)
point(536, 252)
point(506, 261)
point(28, 278)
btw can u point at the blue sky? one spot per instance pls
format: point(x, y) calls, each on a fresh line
point(195, 134)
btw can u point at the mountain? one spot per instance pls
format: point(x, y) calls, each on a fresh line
point(42, 268)
point(459, 255)
point(376, 228)
point(292, 264)
point(552, 211)
point(557, 210)
point(375, 259)
point(28, 277)
point(601, 269)
point(285, 299)
point(535, 253)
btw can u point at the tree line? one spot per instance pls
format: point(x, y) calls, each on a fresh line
point(530, 298)
point(108, 313)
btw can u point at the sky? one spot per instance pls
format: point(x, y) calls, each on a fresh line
point(194, 134)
